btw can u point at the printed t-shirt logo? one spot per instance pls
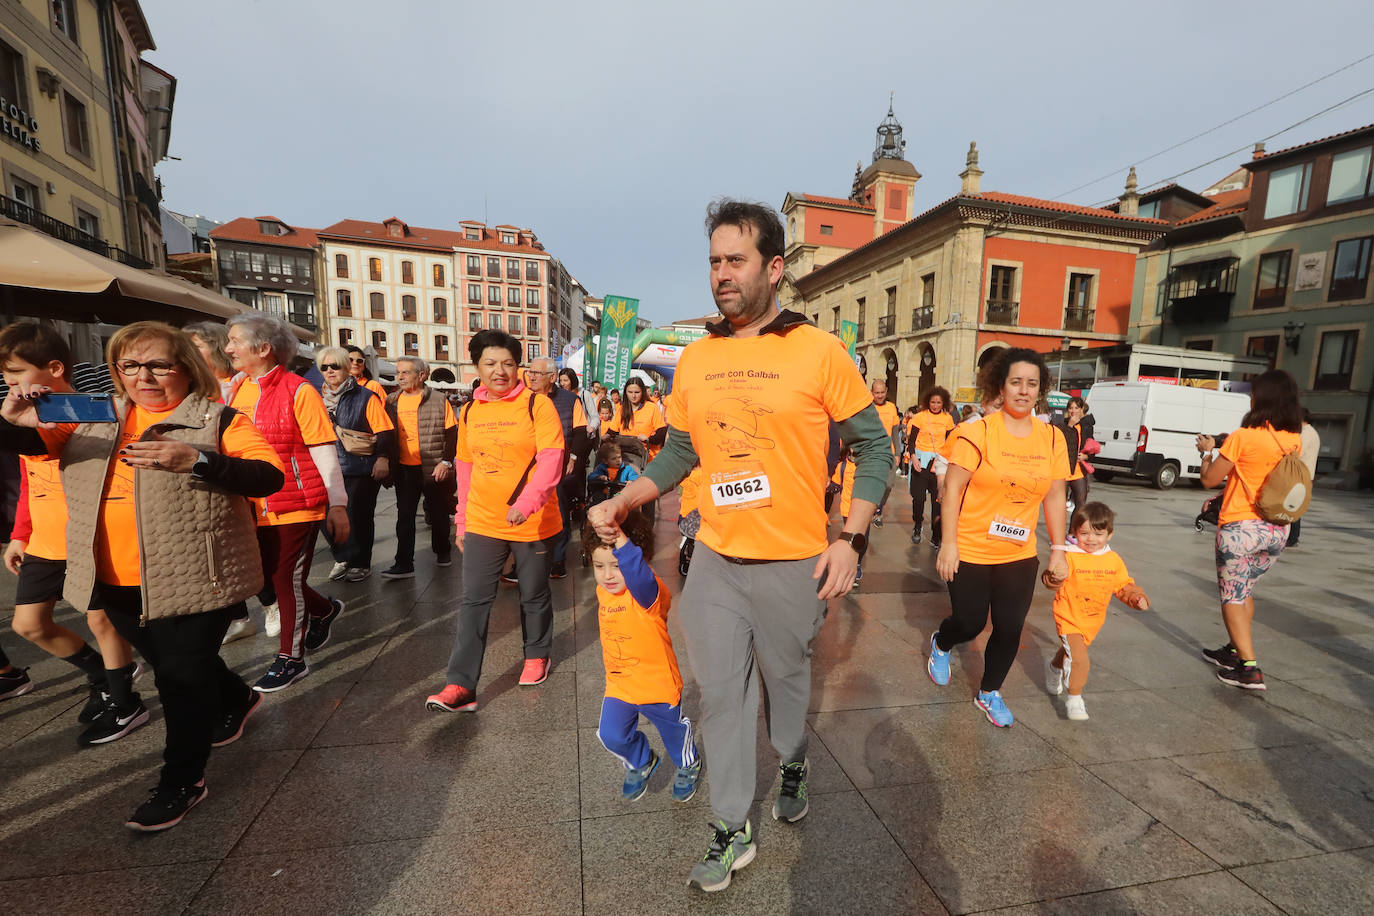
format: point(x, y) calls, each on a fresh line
point(738, 427)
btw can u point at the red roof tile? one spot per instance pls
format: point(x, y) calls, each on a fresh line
point(245, 229)
point(835, 202)
point(420, 237)
point(1058, 207)
point(1292, 149)
point(1224, 203)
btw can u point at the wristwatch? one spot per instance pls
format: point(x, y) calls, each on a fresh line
point(858, 541)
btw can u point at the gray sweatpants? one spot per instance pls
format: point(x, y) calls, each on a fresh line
point(483, 559)
point(743, 622)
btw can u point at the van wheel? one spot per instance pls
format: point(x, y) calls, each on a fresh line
point(1103, 476)
point(1166, 476)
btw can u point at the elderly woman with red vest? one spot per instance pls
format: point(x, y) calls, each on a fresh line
point(290, 413)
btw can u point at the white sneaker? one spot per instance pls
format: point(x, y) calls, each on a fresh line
point(358, 574)
point(1054, 678)
point(271, 617)
point(239, 629)
point(338, 571)
point(1075, 708)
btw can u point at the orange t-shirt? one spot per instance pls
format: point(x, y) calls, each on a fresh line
point(408, 421)
point(932, 429)
point(648, 419)
point(500, 441)
point(641, 666)
point(1080, 604)
point(691, 492)
point(1254, 452)
point(1011, 476)
point(377, 417)
point(316, 429)
point(371, 384)
point(844, 476)
point(47, 508)
point(887, 412)
point(758, 410)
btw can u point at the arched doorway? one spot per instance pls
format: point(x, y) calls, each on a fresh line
point(990, 352)
point(443, 374)
point(925, 354)
point(890, 367)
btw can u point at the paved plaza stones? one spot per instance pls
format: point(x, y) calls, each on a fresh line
point(345, 795)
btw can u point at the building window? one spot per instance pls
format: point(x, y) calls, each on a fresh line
point(269, 227)
point(407, 308)
point(513, 297)
point(345, 337)
point(1350, 179)
point(474, 265)
point(532, 271)
point(493, 295)
point(474, 321)
point(1350, 272)
point(1336, 360)
point(379, 342)
point(12, 76)
point(226, 260)
point(513, 324)
point(512, 269)
point(473, 235)
point(532, 351)
point(1080, 291)
point(440, 346)
point(928, 290)
point(303, 268)
point(344, 301)
point(241, 263)
point(377, 305)
point(441, 311)
point(26, 194)
point(1200, 343)
point(493, 321)
point(341, 266)
point(64, 18)
point(532, 326)
point(1271, 282)
point(835, 320)
point(411, 342)
point(1149, 210)
point(474, 292)
point(494, 268)
point(273, 264)
point(1265, 347)
point(532, 297)
point(74, 124)
point(259, 261)
point(88, 223)
point(374, 269)
point(1288, 190)
point(300, 310)
point(1002, 303)
point(408, 272)
point(827, 230)
point(508, 238)
point(437, 274)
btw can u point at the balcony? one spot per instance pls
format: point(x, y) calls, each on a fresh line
point(303, 319)
point(1078, 319)
point(23, 213)
point(1002, 311)
point(887, 325)
point(1206, 308)
point(922, 318)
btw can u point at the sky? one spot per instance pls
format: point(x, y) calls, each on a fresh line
point(607, 127)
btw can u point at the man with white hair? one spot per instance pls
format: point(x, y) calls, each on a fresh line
point(427, 441)
point(540, 379)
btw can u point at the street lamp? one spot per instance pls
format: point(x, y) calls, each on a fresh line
point(1292, 334)
point(1063, 345)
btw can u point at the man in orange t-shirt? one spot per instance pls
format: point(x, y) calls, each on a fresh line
point(753, 402)
point(427, 437)
point(892, 422)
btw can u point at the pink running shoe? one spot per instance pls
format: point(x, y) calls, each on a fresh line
point(453, 698)
point(536, 671)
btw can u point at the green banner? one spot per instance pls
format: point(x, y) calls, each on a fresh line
point(589, 366)
point(618, 316)
point(849, 336)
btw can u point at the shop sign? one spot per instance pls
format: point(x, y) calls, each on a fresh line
point(20, 126)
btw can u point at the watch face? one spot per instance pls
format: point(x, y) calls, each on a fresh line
point(858, 541)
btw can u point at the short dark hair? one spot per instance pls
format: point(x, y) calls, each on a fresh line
point(354, 348)
point(36, 344)
point(1096, 514)
point(570, 375)
point(637, 527)
point(485, 340)
point(995, 373)
point(607, 450)
point(1078, 402)
point(936, 391)
point(760, 219)
point(1274, 400)
point(605, 404)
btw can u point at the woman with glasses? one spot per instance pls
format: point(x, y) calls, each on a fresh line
point(358, 411)
point(161, 535)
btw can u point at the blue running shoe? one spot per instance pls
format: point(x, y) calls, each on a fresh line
point(990, 702)
point(685, 782)
point(637, 781)
point(938, 666)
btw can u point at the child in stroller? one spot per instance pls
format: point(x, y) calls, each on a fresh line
point(616, 466)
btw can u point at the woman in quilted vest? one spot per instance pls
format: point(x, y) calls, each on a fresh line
point(290, 413)
point(1247, 544)
point(160, 534)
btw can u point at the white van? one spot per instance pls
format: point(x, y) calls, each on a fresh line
point(1149, 430)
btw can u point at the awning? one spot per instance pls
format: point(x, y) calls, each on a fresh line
point(1207, 258)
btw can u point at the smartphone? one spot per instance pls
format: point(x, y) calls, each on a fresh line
point(76, 407)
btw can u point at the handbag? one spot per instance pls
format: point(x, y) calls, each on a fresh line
point(355, 442)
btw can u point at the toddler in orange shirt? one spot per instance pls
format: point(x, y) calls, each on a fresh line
point(642, 676)
point(1096, 572)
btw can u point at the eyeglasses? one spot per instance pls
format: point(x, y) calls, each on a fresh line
point(158, 367)
point(536, 372)
point(331, 367)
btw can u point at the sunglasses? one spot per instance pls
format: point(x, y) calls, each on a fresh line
point(331, 367)
point(358, 361)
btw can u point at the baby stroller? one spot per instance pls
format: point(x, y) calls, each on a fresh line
point(636, 455)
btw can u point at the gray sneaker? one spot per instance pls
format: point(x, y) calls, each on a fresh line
point(730, 851)
point(791, 804)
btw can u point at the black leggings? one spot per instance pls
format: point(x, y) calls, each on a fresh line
point(1078, 491)
point(1005, 590)
point(923, 482)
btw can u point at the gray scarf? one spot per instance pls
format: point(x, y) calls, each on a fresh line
point(331, 398)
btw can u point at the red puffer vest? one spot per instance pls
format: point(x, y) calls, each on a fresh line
point(275, 418)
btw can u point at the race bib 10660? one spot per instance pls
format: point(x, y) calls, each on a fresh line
point(1005, 529)
point(745, 488)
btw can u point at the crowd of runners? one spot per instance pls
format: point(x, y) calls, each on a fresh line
point(220, 467)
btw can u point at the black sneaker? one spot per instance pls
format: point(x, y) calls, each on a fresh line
point(1225, 657)
point(444, 562)
point(95, 705)
point(230, 728)
point(398, 572)
point(284, 672)
point(916, 536)
point(166, 806)
point(877, 520)
point(559, 570)
point(15, 683)
point(317, 628)
point(114, 723)
point(1248, 677)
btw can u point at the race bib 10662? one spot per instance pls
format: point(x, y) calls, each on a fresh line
point(745, 488)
